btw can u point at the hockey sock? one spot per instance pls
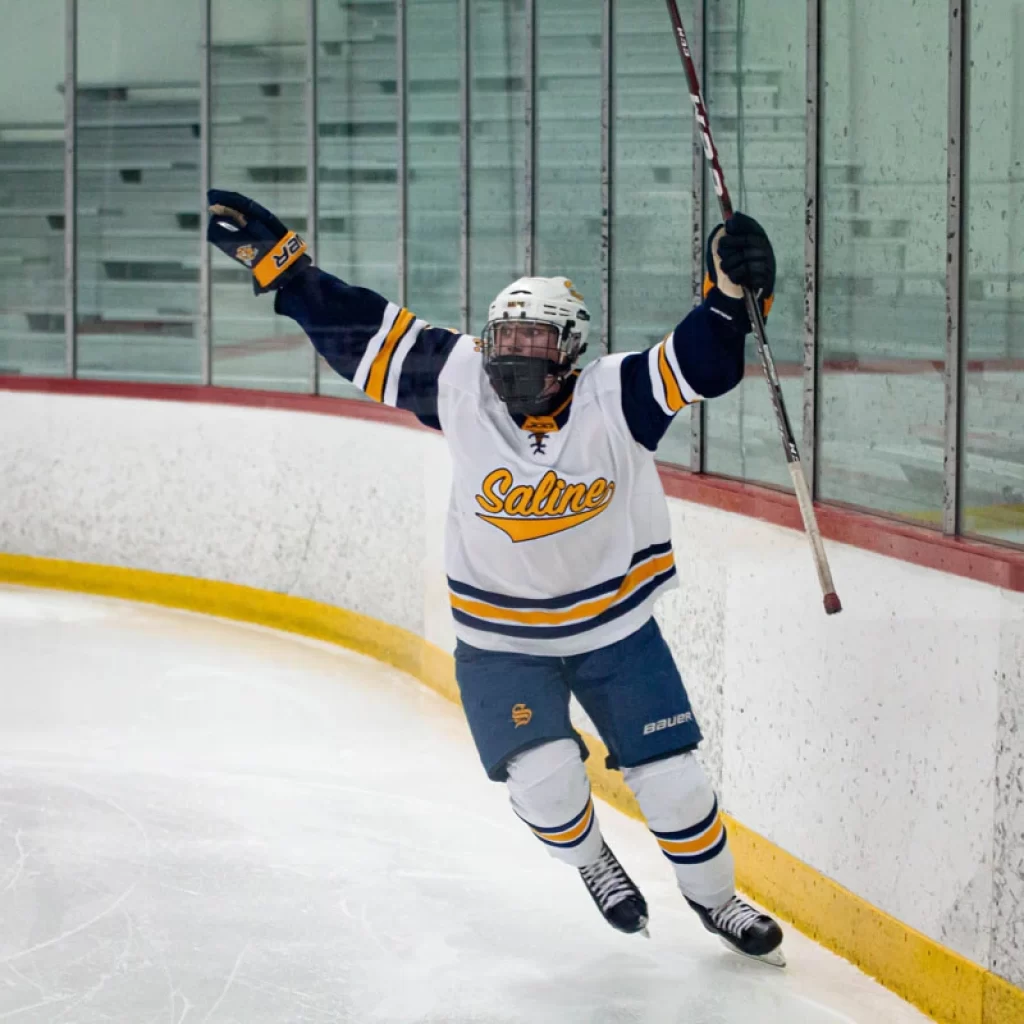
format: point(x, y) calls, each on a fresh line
point(550, 791)
point(682, 813)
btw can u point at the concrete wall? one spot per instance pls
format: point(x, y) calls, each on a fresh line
point(884, 747)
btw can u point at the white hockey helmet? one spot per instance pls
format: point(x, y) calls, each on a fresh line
point(536, 330)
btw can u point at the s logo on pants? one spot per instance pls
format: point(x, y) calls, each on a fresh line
point(521, 715)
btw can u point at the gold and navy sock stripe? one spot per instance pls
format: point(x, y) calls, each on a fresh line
point(572, 833)
point(696, 844)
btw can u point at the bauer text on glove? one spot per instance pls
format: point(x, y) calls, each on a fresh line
point(251, 235)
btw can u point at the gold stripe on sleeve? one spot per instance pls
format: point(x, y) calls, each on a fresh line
point(378, 375)
point(673, 396)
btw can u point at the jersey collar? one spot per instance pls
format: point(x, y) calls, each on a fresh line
point(555, 420)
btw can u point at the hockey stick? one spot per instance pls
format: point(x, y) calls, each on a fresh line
point(803, 493)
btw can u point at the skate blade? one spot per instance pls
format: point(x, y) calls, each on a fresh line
point(776, 958)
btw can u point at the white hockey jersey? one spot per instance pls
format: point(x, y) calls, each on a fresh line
point(558, 539)
point(557, 542)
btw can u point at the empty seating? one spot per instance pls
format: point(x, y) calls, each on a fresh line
point(140, 216)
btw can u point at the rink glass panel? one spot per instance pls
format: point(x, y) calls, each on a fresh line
point(433, 242)
point(756, 87)
point(32, 191)
point(258, 147)
point(357, 140)
point(882, 240)
point(651, 166)
point(497, 233)
point(994, 467)
point(568, 181)
point(138, 183)
point(883, 255)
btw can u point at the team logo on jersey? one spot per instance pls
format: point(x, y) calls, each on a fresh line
point(524, 512)
point(521, 715)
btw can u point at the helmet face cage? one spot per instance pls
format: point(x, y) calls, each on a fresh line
point(536, 329)
point(532, 339)
point(526, 361)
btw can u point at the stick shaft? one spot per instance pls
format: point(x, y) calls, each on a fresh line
point(803, 494)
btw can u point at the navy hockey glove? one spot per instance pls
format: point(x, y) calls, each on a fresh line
point(254, 237)
point(745, 259)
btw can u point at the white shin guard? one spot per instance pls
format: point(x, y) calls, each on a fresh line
point(682, 812)
point(550, 791)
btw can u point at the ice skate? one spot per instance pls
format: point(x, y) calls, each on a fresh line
point(744, 930)
point(615, 894)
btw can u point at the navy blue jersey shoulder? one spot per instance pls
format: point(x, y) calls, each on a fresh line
point(417, 386)
point(380, 347)
point(397, 359)
point(702, 358)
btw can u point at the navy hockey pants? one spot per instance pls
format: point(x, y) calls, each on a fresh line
point(631, 690)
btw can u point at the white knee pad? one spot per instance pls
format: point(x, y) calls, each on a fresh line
point(550, 791)
point(682, 812)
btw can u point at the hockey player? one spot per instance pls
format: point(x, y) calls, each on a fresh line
point(558, 540)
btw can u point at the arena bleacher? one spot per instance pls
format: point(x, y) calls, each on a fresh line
point(139, 215)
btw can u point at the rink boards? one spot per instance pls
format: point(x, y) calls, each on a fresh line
point(872, 747)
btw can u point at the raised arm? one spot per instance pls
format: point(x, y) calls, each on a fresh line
point(704, 356)
point(382, 348)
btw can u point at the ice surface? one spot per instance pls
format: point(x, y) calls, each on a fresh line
point(203, 821)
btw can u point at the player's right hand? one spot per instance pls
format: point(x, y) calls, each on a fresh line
point(251, 235)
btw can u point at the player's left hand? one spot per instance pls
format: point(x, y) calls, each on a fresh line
point(746, 256)
point(251, 235)
point(740, 255)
